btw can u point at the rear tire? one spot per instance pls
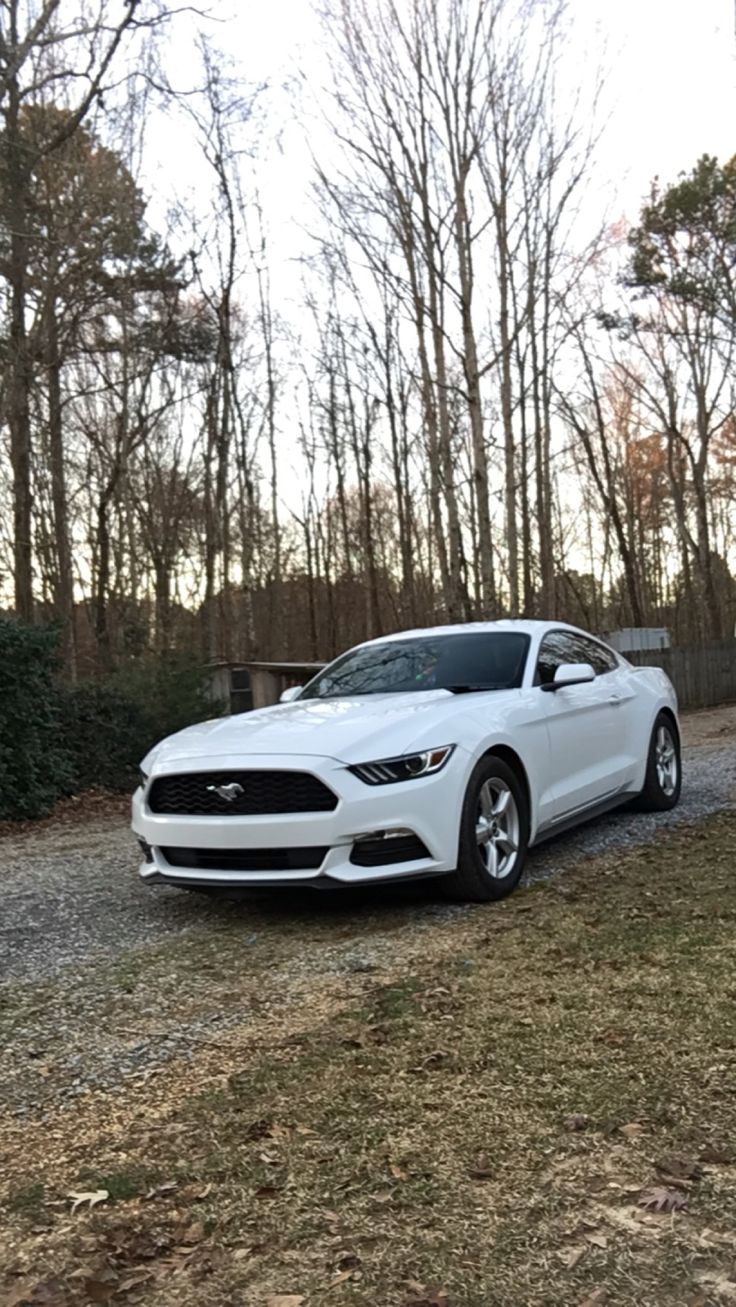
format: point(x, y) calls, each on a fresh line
point(494, 833)
point(663, 778)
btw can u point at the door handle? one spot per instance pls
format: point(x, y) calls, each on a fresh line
point(616, 699)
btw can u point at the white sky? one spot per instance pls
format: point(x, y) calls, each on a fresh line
point(670, 97)
point(671, 94)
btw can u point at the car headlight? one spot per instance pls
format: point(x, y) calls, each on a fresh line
point(410, 767)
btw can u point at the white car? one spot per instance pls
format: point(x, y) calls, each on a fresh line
point(443, 752)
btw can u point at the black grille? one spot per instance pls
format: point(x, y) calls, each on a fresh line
point(382, 852)
point(191, 794)
point(306, 859)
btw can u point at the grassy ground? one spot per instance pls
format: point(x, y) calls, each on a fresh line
point(532, 1106)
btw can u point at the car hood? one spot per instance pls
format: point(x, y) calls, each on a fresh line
point(348, 730)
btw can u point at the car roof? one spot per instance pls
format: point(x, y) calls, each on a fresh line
point(526, 626)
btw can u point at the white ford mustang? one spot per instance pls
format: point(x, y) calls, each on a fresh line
point(445, 752)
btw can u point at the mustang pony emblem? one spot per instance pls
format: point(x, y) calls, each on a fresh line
point(229, 792)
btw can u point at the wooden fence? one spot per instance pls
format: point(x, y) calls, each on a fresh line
point(702, 674)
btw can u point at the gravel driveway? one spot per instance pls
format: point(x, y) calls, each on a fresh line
point(90, 990)
point(71, 897)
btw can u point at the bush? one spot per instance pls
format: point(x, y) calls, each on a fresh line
point(107, 735)
point(35, 764)
point(172, 691)
point(56, 740)
point(111, 725)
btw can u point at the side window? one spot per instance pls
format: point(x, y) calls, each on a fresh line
point(600, 658)
point(556, 648)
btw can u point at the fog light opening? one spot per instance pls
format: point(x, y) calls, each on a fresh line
point(382, 848)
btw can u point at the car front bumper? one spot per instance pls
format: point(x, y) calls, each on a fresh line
point(426, 809)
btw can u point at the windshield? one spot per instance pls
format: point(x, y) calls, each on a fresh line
point(483, 660)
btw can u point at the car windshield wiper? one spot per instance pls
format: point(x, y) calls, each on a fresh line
point(476, 685)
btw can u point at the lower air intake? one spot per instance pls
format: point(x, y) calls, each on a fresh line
point(309, 858)
point(382, 852)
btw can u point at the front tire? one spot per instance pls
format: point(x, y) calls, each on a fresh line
point(494, 833)
point(663, 778)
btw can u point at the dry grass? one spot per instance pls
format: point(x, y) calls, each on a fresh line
point(472, 1127)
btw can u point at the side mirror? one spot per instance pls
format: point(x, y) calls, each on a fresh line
point(293, 692)
point(570, 674)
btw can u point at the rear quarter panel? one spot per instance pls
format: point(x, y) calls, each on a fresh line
point(654, 692)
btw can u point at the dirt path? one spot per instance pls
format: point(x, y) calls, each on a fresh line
point(278, 1097)
point(709, 727)
point(409, 1105)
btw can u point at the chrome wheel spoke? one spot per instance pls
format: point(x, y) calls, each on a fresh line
point(490, 853)
point(497, 828)
point(485, 799)
point(502, 802)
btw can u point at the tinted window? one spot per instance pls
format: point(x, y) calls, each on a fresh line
point(556, 648)
point(567, 647)
point(600, 658)
point(486, 659)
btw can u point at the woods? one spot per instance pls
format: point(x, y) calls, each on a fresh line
point(481, 397)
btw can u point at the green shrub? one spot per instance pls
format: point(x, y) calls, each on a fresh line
point(110, 725)
point(107, 735)
point(57, 740)
point(172, 691)
point(35, 763)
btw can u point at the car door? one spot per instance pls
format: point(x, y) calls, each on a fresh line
point(625, 757)
point(585, 728)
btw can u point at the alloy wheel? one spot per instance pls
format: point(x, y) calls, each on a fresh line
point(665, 755)
point(497, 827)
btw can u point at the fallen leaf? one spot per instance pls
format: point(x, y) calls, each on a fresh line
point(615, 1038)
point(594, 1299)
point(47, 1293)
point(339, 1279)
point(597, 1240)
point(92, 1199)
point(280, 1131)
point(482, 1169)
point(662, 1199)
point(347, 1261)
point(260, 1129)
point(571, 1256)
point(431, 1061)
point(100, 1287)
point(18, 1296)
point(398, 1172)
point(717, 1156)
point(193, 1233)
point(679, 1168)
point(133, 1281)
point(285, 1300)
point(428, 1297)
point(160, 1190)
point(577, 1121)
point(267, 1191)
point(723, 1285)
point(632, 1129)
point(194, 1193)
